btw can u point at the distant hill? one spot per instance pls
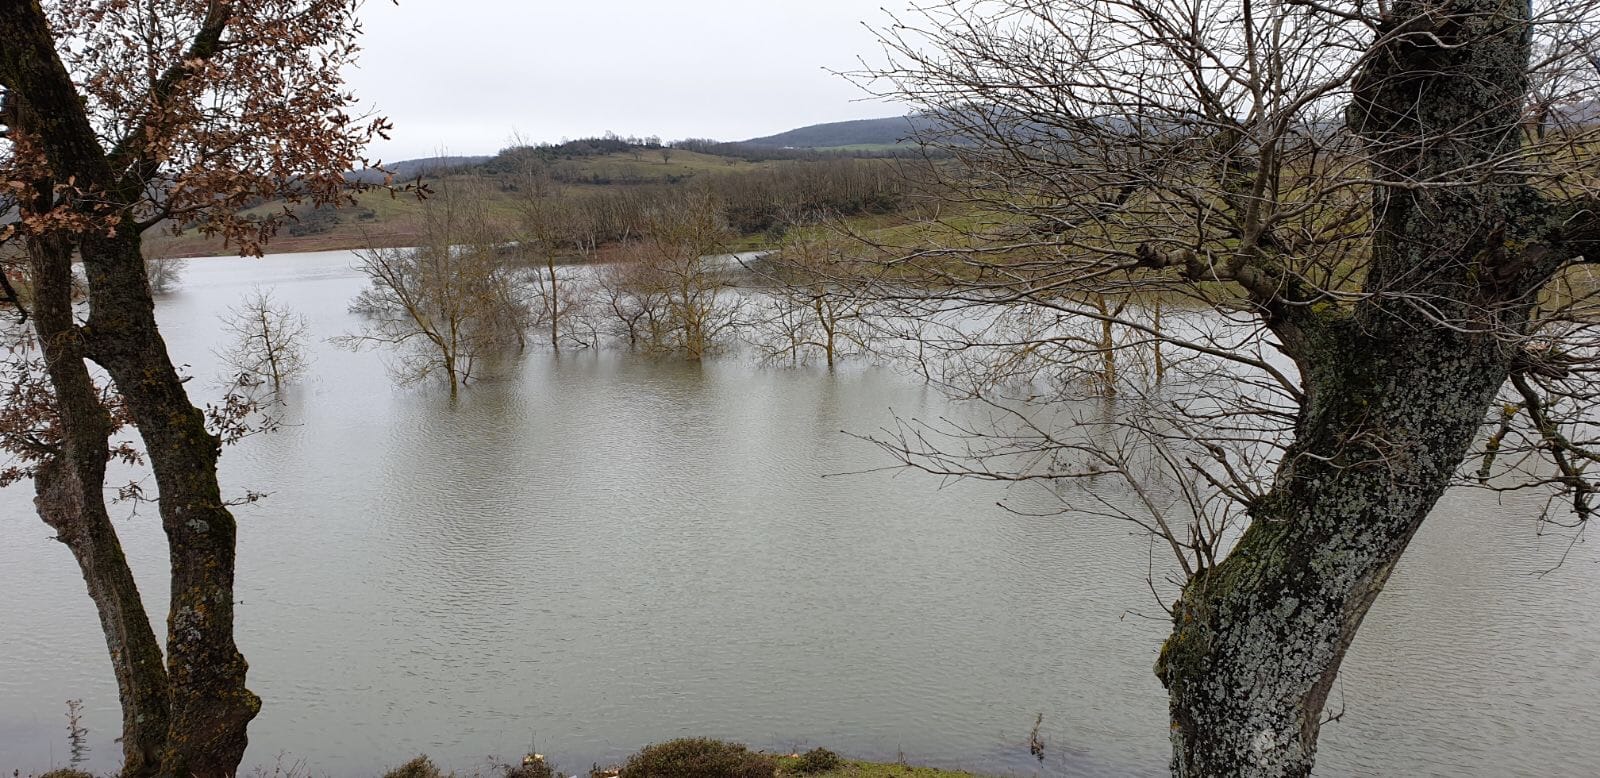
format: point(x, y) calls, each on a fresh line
point(892, 131)
point(412, 168)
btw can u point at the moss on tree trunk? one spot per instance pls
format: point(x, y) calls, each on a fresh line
point(69, 498)
point(210, 706)
point(1396, 388)
point(207, 705)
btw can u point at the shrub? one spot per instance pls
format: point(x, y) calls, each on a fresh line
point(164, 272)
point(818, 760)
point(698, 758)
point(531, 768)
point(421, 767)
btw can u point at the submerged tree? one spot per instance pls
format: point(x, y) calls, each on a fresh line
point(119, 117)
point(671, 291)
point(447, 305)
point(269, 341)
point(810, 303)
point(1384, 211)
point(680, 253)
point(548, 230)
point(164, 272)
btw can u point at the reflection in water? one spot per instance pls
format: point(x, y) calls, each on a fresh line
point(608, 550)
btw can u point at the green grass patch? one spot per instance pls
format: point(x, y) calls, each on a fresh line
point(853, 768)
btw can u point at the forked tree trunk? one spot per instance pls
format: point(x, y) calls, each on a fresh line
point(210, 706)
point(1396, 391)
point(69, 496)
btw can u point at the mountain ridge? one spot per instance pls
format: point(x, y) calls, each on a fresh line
point(886, 131)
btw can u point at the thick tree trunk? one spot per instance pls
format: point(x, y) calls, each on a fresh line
point(1396, 390)
point(1258, 640)
point(210, 706)
point(69, 498)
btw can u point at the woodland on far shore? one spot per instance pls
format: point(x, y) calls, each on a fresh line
point(760, 188)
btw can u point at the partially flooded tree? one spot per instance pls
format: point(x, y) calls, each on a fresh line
point(117, 117)
point(448, 305)
point(678, 277)
point(549, 229)
point(811, 303)
point(268, 344)
point(1369, 225)
point(633, 295)
point(164, 272)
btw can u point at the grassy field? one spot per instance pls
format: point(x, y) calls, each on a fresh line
point(648, 166)
point(382, 219)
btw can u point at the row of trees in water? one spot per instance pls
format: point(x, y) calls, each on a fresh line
point(644, 266)
point(479, 287)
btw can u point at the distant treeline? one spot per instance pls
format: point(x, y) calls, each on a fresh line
point(761, 202)
point(760, 153)
point(515, 157)
point(611, 143)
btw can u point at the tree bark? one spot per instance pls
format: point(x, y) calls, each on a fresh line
point(1397, 388)
point(1258, 640)
point(69, 498)
point(210, 706)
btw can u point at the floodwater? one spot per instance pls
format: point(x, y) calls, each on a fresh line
point(602, 550)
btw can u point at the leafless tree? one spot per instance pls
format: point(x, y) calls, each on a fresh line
point(164, 272)
point(1354, 238)
point(445, 306)
point(550, 229)
point(671, 290)
point(809, 301)
point(268, 342)
point(635, 298)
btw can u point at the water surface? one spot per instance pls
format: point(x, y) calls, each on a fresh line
point(606, 550)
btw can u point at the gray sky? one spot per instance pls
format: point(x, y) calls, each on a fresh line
point(462, 75)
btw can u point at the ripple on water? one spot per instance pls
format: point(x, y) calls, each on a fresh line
point(609, 550)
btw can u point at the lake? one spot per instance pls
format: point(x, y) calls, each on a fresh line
point(601, 550)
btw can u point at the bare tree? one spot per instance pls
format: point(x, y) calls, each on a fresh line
point(635, 297)
point(547, 228)
point(671, 290)
point(1379, 216)
point(164, 272)
point(447, 305)
point(268, 342)
point(811, 302)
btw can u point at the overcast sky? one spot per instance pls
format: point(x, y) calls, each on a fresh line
point(462, 75)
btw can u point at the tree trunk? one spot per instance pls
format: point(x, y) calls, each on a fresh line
point(1258, 640)
point(555, 301)
point(1396, 390)
point(210, 706)
point(269, 347)
point(69, 498)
